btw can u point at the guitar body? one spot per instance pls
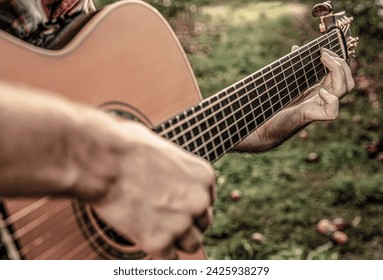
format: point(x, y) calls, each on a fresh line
point(126, 58)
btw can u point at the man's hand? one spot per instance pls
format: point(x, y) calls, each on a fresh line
point(320, 102)
point(162, 197)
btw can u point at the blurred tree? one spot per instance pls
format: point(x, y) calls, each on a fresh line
point(168, 8)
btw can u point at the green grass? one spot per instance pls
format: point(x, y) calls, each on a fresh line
point(284, 196)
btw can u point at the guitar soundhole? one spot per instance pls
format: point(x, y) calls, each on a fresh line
point(111, 233)
point(106, 241)
point(125, 111)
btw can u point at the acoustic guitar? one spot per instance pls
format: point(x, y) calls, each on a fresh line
point(125, 59)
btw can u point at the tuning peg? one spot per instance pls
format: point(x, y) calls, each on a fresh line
point(322, 9)
point(344, 21)
point(352, 43)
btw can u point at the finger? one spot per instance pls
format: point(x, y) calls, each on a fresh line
point(190, 241)
point(208, 178)
point(327, 97)
point(168, 253)
point(213, 193)
point(203, 221)
point(336, 73)
point(326, 82)
point(159, 244)
point(332, 104)
point(330, 53)
point(350, 84)
point(294, 48)
point(347, 74)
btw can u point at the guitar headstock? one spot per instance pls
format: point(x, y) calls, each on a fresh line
point(330, 20)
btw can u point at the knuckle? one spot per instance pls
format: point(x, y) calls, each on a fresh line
point(204, 200)
point(209, 175)
point(179, 226)
point(333, 98)
point(333, 117)
point(157, 244)
point(343, 89)
point(200, 203)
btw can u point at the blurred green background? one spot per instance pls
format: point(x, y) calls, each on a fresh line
point(269, 204)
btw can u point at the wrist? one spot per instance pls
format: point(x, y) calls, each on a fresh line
point(302, 114)
point(99, 144)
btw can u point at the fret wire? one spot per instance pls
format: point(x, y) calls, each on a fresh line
point(230, 89)
point(237, 100)
point(290, 94)
point(260, 104)
point(233, 144)
point(298, 55)
point(226, 107)
point(268, 92)
point(242, 98)
point(311, 56)
point(277, 94)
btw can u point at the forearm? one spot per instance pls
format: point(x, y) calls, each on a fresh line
point(48, 145)
point(274, 132)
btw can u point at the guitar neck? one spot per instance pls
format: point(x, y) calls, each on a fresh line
point(218, 123)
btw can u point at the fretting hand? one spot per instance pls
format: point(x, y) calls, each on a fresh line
point(318, 103)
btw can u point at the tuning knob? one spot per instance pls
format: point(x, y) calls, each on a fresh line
point(322, 9)
point(352, 43)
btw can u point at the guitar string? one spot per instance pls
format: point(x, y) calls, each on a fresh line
point(43, 218)
point(202, 133)
point(68, 238)
point(106, 227)
point(297, 52)
point(64, 242)
point(66, 222)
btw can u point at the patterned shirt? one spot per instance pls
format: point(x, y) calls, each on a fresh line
point(25, 18)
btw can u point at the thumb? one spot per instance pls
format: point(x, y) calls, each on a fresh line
point(294, 48)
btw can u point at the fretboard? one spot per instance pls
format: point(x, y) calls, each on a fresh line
point(217, 124)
